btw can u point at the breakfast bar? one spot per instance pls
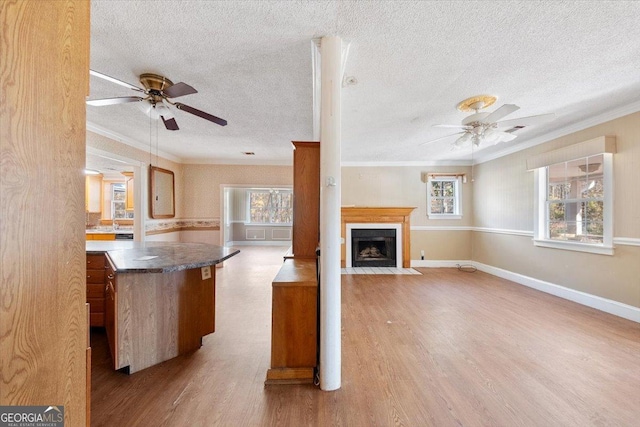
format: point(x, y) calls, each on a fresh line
point(159, 298)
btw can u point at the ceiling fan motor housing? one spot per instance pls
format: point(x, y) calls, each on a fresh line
point(474, 119)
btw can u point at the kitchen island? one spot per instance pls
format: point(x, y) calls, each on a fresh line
point(159, 298)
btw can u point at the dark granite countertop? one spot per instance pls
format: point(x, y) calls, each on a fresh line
point(160, 257)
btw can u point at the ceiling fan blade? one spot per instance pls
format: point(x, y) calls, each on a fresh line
point(506, 136)
point(501, 112)
point(453, 126)
point(206, 116)
point(170, 124)
point(179, 89)
point(526, 121)
point(443, 137)
point(114, 80)
point(113, 101)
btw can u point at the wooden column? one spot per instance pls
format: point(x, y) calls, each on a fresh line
point(306, 198)
point(44, 81)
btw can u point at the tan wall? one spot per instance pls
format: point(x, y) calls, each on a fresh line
point(111, 146)
point(503, 188)
point(453, 245)
point(403, 186)
point(503, 199)
point(202, 184)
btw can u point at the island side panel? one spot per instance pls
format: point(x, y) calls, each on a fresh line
point(162, 315)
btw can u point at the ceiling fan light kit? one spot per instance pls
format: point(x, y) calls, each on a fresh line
point(158, 91)
point(485, 127)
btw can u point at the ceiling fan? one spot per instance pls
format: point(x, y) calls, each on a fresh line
point(157, 96)
point(485, 127)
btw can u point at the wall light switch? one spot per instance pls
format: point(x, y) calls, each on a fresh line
point(206, 272)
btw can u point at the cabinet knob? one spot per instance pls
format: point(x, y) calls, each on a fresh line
point(110, 276)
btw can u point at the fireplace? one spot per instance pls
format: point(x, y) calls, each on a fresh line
point(397, 218)
point(373, 247)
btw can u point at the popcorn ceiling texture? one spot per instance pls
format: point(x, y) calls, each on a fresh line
point(414, 61)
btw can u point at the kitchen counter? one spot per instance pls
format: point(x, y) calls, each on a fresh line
point(97, 247)
point(159, 257)
point(168, 257)
point(159, 298)
point(108, 231)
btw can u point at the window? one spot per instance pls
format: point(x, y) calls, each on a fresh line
point(575, 204)
point(272, 206)
point(444, 197)
point(118, 202)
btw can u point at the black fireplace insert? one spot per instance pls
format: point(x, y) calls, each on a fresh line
point(373, 247)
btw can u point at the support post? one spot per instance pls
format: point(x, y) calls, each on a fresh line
point(330, 139)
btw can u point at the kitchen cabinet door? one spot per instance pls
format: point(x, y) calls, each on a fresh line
point(93, 193)
point(111, 312)
point(129, 191)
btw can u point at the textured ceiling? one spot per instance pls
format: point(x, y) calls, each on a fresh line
point(413, 60)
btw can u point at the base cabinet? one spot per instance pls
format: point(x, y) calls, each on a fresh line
point(153, 317)
point(294, 337)
point(96, 288)
point(111, 311)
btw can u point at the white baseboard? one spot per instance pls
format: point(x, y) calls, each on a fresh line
point(437, 263)
point(259, 243)
point(603, 304)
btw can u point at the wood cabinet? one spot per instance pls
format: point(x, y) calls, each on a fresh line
point(95, 288)
point(294, 316)
point(153, 317)
point(306, 199)
point(129, 190)
point(111, 310)
point(294, 338)
point(93, 194)
point(101, 236)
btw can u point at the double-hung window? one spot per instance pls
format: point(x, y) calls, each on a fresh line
point(270, 206)
point(444, 197)
point(574, 205)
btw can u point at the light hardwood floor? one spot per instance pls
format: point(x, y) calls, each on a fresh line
point(446, 348)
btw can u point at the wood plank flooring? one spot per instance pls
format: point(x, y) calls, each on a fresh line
point(445, 348)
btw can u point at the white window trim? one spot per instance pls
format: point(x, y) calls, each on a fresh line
point(248, 210)
point(540, 237)
point(457, 203)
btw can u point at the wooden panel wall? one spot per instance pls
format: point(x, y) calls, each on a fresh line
point(306, 199)
point(43, 320)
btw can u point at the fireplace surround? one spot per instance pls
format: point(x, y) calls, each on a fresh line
point(368, 217)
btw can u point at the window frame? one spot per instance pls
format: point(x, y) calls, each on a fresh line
point(267, 190)
point(541, 212)
point(457, 197)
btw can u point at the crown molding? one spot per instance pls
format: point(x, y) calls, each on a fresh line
point(410, 163)
point(239, 162)
point(128, 141)
point(607, 116)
